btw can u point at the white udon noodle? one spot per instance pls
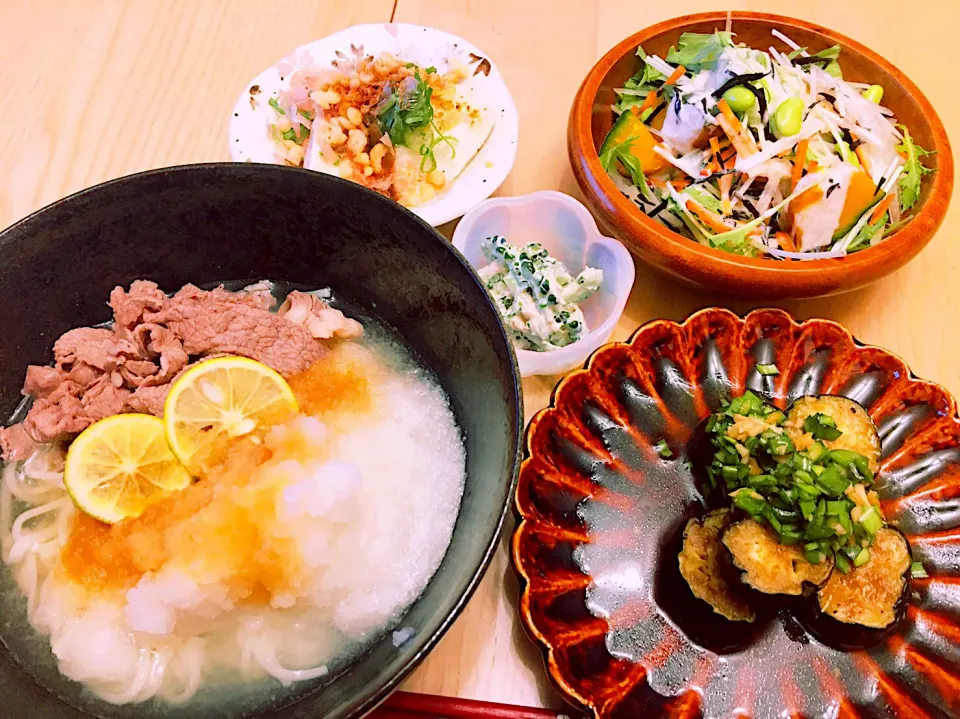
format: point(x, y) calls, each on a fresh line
point(420, 469)
point(31, 544)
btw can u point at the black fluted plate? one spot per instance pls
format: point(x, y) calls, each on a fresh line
point(601, 510)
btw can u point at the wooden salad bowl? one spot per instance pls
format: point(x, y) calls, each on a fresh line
point(756, 278)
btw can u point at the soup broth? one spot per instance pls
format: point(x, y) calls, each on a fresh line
point(259, 582)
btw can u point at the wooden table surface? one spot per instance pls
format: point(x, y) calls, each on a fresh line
point(96, 89)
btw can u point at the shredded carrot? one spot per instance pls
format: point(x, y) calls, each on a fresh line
point(675, 75)
point(651, 99)
point(806, 198)
point(730, 115)
point(726, 182)
point(813, 167)
point(738, 128)
point(739, 144)
point(710, 219)
point(882, 207)
point(715, 154)
point(799, 162)
point(785, 242)
point(680, 183)
point(648, 102)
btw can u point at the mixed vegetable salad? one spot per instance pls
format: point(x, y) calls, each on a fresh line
point(762, 153)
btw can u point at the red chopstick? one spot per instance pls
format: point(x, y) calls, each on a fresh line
point(406, 705)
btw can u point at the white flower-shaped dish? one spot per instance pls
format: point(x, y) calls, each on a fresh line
point(252, 115)
point(569, 232)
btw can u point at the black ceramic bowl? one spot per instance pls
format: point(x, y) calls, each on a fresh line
point(209, 223)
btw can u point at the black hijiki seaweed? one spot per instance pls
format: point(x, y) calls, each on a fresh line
point(812, 60)
point(656, 112)
point(848, 138)
point(738, 80)
point(658, 209)
point(744, 81)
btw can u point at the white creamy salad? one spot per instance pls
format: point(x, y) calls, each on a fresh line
point(536, 295)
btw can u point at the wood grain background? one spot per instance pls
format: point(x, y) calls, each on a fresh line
point(96, 89)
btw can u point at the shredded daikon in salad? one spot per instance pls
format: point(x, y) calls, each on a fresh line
point(760, 152)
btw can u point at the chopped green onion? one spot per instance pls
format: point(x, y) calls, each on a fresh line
point(276, 105)
point(816, 451)
point(843, 564)
point(862, 558)
point(917, 571)
point(790, 536)
point(767, 369)
point(843, 456)
point(871, 520)
point(832, 481)
point(663, 449)
point(749, 501)
point(836, 506)
point(821, 427)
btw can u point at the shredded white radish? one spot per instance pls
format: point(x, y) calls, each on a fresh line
point(842, 128)
point(784, 254)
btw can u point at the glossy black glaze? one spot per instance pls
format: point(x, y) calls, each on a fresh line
point(207, 223)
point(699, 452)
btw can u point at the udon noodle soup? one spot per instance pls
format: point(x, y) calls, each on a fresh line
point(302, 545)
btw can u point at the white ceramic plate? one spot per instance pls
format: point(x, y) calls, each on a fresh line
point(483, 175)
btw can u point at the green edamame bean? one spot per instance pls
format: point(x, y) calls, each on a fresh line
point(787, 119)
point(874, 94)
point(739, 98)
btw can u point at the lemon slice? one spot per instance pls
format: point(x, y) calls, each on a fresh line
point(221, 399)
point(121, 465)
